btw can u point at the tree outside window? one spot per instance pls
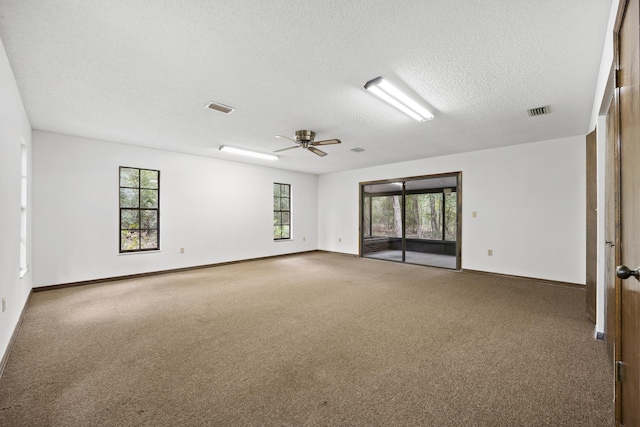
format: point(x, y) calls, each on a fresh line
point(281, 211)
point(139, 209)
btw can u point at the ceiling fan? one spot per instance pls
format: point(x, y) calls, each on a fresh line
point(304, 139)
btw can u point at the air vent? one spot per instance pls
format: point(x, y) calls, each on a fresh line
point(538, 111)
point(220, 107)
point(357, 150)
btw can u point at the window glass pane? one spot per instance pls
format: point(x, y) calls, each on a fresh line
point(129, 177)
point(148, 219)
point(148, 198)
point(367, 216)
point(129, 198)
point(139, 209)
point(23, 209)
point(284, 204)
point(412, 224)
point(431, 216)
point(450, 209)
point(148, 239)
point(24, 159)
point(281, 211)
point(386, 217)
point(129, 219)
point(148, 178)
point(129, 240)
point(23, 192)
point(424, 216)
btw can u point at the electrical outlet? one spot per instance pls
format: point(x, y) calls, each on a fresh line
point(304, 239)
point(474, 214)
point(490, 252)
point(4, 304)
point(181, 250)
point(339, 239)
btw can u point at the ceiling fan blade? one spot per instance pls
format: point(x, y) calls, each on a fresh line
point(316, 151)
point(326, 142)
point(285, 149)
point(286, 137)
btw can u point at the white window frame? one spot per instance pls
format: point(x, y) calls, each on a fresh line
point(24, 201)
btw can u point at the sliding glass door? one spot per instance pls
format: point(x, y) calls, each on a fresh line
point(384, 224)
point(413, 220)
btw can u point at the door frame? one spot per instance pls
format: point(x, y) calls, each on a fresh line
point(361, 213)
point(591, 263)
point(621, 403)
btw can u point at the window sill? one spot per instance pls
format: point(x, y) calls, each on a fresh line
point(139, 253)
point(283, 240)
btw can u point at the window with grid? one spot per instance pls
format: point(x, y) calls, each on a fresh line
point(281, 211)
point(23, 210)
point(139, 209)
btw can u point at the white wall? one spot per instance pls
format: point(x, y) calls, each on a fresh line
point(14, 128)
point(529, 199)
point(217, 210)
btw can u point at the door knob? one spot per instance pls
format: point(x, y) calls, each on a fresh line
point(624, 272)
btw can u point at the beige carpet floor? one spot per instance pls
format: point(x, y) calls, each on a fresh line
point(315, 339)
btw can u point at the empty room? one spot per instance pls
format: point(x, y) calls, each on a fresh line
point(319, 213)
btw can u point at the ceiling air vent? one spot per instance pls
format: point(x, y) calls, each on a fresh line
point(357, 150)
point(538, 111)
point(220, 107)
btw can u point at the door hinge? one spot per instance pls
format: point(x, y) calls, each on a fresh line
point(616, 78)
point(619, 370)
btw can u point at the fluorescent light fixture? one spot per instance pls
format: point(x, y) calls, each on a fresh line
point(247, 153)
point(386, 91)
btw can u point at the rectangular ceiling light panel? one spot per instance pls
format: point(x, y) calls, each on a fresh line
point(389, 93)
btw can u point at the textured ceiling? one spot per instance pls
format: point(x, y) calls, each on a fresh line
point(140, 72)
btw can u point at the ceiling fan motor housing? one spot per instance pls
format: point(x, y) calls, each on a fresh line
point(305, 135)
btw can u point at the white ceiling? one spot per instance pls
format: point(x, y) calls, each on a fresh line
point(140, 72)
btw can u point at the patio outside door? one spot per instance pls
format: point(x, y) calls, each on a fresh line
point(413, 220)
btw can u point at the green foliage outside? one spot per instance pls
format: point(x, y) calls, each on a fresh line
point(281, 211)
point(424, 216)
point(139, 203)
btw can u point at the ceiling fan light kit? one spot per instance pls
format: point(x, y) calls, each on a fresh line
point(394, 96)
point(305, 139)
point(242, 152)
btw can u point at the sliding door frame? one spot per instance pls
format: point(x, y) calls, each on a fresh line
point(362, 213)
